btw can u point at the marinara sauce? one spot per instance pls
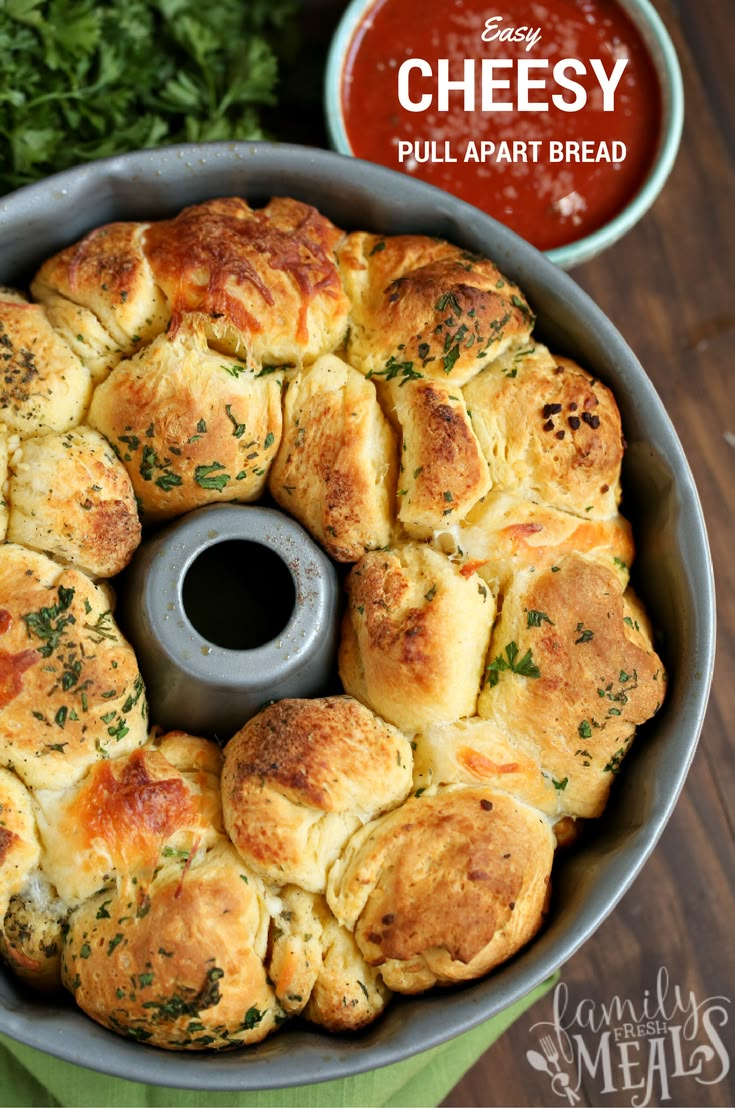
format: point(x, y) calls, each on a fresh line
point(550, 203)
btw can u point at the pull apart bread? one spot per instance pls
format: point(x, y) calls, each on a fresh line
point(389, 394)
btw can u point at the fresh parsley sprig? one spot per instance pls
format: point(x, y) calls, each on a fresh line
point(524, 667)
point(81, 80)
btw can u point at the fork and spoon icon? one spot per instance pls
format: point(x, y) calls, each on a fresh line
point(548, 1062)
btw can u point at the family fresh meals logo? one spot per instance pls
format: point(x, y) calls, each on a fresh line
point(628, 1046)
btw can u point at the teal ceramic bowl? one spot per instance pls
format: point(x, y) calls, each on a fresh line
point(661, 49)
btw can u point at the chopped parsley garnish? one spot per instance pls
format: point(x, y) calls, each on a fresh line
point(208, 477)
point(238, 428)
point(393, 369)
point(524, 667)
point(48, 623)
point(534, 617)
point(448, 300)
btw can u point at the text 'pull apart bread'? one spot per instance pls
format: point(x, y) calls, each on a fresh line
point(390, 394)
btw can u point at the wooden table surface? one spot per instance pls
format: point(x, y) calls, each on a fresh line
point(669, 287)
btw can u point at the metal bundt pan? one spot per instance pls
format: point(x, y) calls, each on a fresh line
point(673, 573)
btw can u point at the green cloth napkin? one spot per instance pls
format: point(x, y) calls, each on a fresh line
point(30, 1079)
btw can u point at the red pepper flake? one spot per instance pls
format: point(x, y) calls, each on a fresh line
point(573, 422)
point(550, 409)
point(486, 805)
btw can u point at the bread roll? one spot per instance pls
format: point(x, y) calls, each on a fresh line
point(19, 847)
point(44, 387)
point(571, 674)
point(549, 430)
point(414, 636)
point(443, 471)
point(335, 470)
point(192, 426)
point(72, 498)
point(424, 308)
point(478, 751)
point(84, 334)
point(127, 816)
point(179, 964)
point(446, 887)
point(70, 690)
point(263, 282)
point(301, 776)
point(348, 993)
point(295, 957)
point(107, 273)
point(32, 933)
point(505, 534)
point(317, 969)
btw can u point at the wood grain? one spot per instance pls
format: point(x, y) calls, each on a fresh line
point(668, 287)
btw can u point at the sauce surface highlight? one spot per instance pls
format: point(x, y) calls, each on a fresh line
point(550, 203)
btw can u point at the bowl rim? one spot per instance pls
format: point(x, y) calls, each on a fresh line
point(663, 54)
point(298, 1057)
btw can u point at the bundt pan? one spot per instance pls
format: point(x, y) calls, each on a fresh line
point(672, 572)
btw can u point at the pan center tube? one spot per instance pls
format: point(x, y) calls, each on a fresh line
point(228, 608)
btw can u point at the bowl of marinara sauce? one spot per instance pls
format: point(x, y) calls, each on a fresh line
point(559, 118)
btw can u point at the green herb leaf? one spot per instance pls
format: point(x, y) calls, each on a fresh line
point(82, 81)
point(526, 667)
point(534, 618)
point(208, 477)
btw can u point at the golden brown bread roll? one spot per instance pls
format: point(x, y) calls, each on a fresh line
point(422, 307)
point(263, 282)
point(478, 751)
point(295, 956)
point(301, 776)
point(348, 993)
point(443, 472)
point(192, 426)
point(414, 636)
point(446, 887)
point(549, 430)
point(19, 846)
point(505, 534)
point(128, 815)
point(71, 498)
point(84, 334)
point(32, 933)
point(43, 387)
point(70, 690)
point(108, 274)
point(571, 673)
point(317, 969)
point(180, 963)
point(335, 469)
